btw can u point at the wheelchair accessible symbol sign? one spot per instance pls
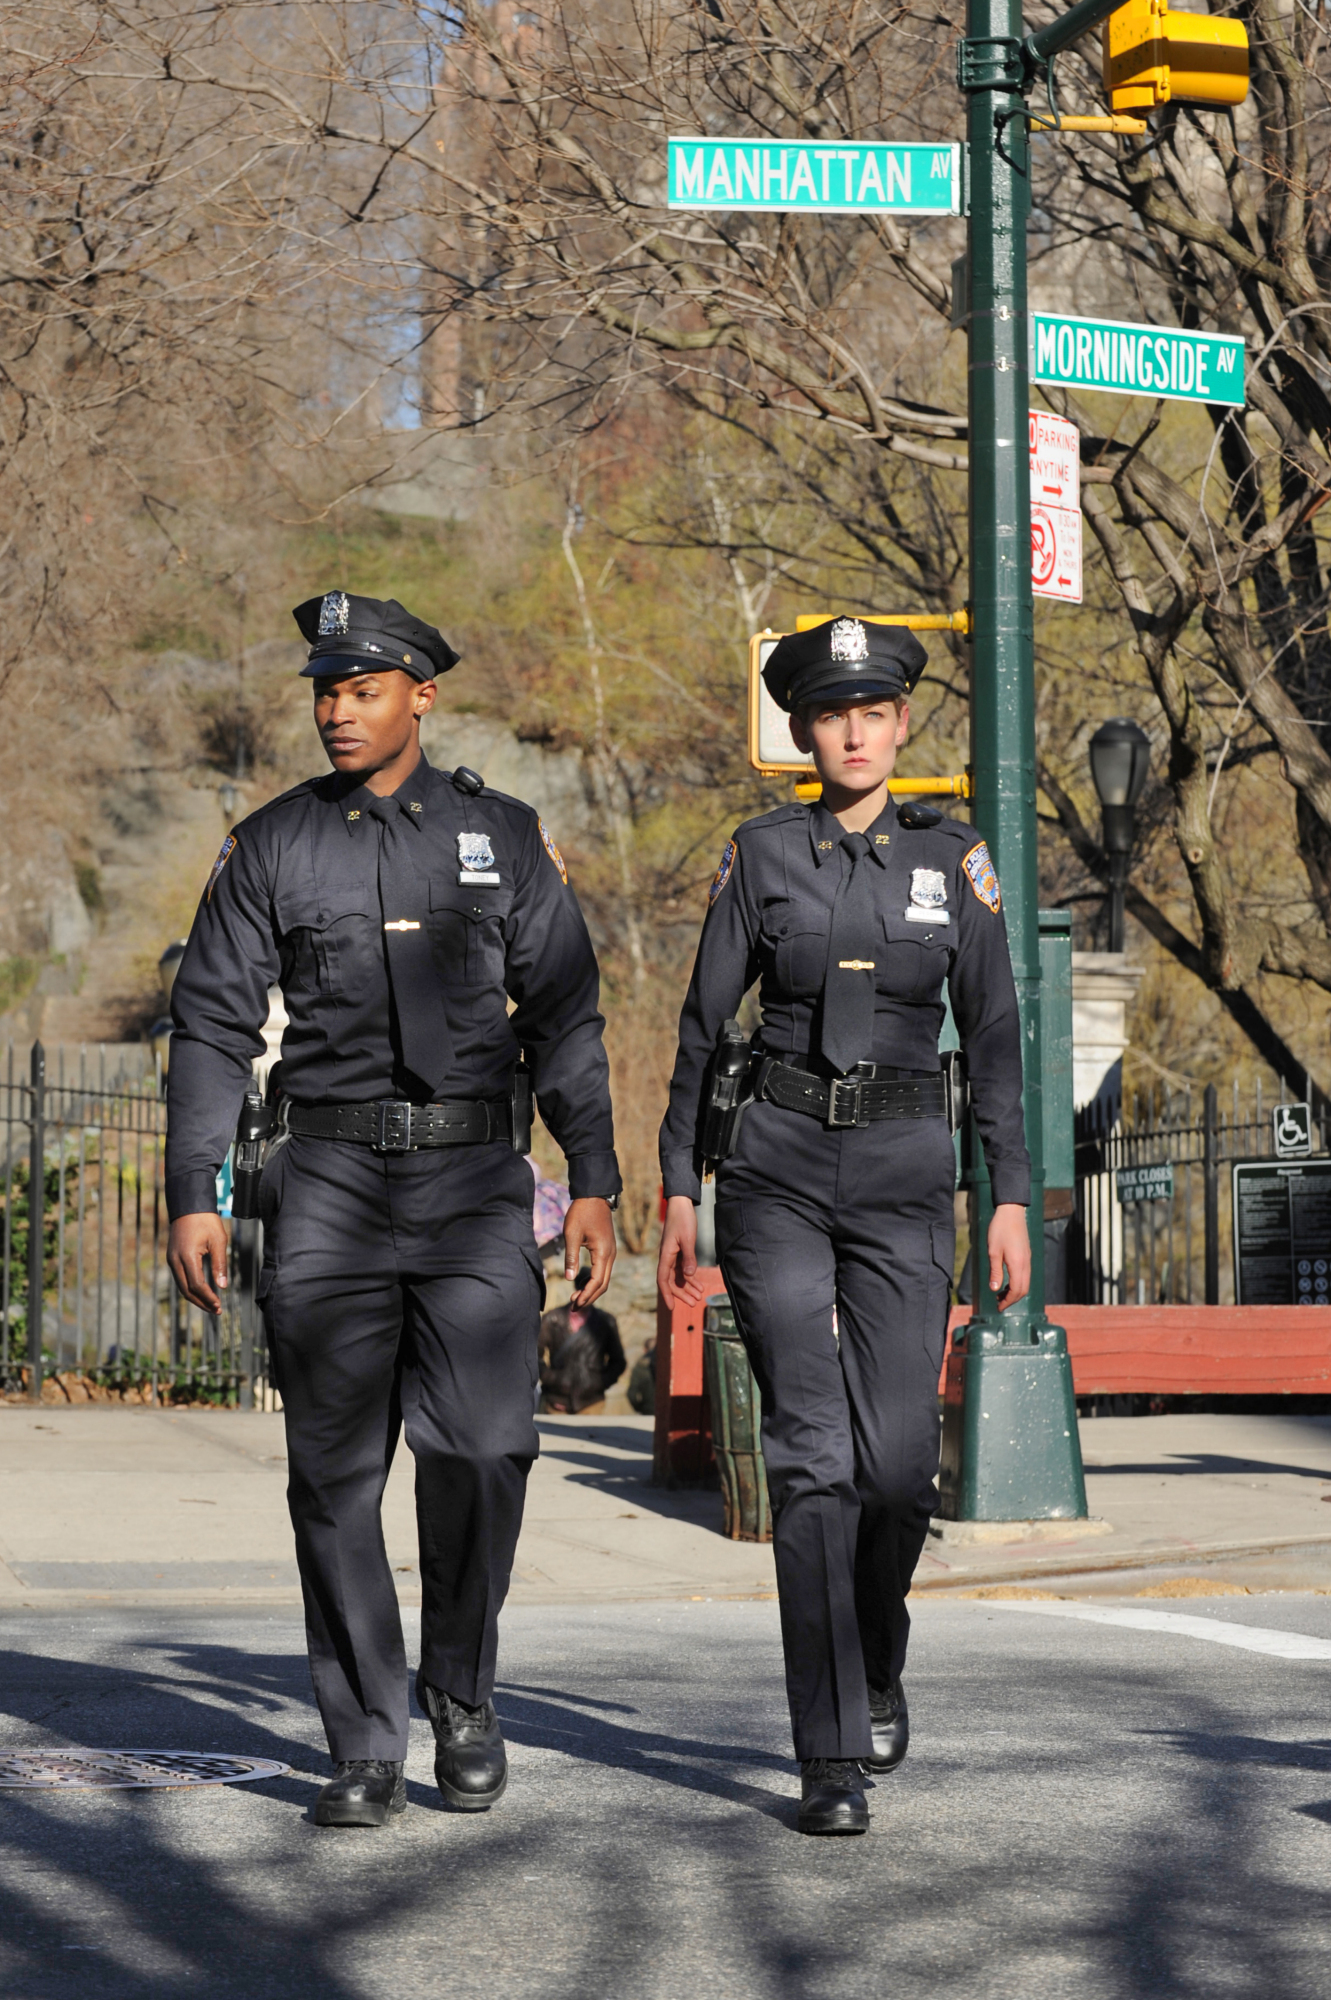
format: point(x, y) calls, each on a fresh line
point(1292, 1131)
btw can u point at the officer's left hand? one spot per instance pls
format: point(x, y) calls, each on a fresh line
point(1009, 1244)
point(589, 1223)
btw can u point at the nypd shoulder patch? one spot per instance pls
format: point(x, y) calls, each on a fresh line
point(228, 849)
point(722, 875)
point(980, 870)
point(547, 839)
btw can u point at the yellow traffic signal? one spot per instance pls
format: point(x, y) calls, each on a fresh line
point(1154, 55)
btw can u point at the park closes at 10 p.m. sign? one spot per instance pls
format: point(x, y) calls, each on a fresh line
point(794, 177)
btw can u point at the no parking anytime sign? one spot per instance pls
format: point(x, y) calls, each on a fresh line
point(1055, 508)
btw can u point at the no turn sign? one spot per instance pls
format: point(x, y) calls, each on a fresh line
point(1056, 553)
point(1055, 507)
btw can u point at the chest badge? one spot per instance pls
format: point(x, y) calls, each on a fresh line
point(476, 858)
point(928, 897)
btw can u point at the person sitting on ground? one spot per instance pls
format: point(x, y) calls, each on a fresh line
point(581, 1357)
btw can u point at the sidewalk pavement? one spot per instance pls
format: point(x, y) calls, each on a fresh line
point(105, 1505)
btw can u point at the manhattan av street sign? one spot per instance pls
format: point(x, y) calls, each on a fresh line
point(798, 177)
point(1136, 360)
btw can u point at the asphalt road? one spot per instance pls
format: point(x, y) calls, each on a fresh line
point(1090, 1808)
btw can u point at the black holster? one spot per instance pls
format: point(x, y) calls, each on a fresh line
point(956, 1087)
point(726, 1092)
point(254, 1128)
point(519, 1106)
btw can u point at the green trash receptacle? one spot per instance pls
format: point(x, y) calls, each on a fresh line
point(736, 1415)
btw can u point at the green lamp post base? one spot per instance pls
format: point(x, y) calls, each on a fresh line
point(1010, 1446)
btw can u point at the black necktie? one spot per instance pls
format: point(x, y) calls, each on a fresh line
point(853, 944)
point(418, 1003)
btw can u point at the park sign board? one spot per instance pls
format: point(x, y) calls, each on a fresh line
point(1282, 1233)
point(1132, 360)
point(799, 177)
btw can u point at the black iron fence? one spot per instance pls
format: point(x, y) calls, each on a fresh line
point(85, 1291)
point(1153, 1222)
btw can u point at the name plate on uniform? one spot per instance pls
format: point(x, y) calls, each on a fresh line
point(471, 881)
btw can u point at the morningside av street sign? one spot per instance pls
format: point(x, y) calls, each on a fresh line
point(795, 177)
point(1136, 360)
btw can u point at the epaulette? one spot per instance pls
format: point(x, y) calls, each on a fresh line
point(470, 782)
point(776, 817)
point(913, 813)
point(301, 791)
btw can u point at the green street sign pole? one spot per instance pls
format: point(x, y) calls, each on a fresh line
point(1010, 1449)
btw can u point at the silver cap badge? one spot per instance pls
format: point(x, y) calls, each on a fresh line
point(850, 641)
point(334, 615)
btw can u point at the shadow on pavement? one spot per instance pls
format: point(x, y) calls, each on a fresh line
point(1209, 1462)
point(550, 1719)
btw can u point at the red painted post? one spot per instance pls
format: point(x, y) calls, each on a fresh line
point(682, 1442)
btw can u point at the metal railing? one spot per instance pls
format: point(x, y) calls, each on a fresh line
point(84, 1284)
point(1175, 1250)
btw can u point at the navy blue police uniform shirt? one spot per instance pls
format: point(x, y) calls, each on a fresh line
point(768, 922)
point(294, 901)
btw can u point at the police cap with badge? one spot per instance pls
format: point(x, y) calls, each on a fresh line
point(844, 659)
point(369, 635)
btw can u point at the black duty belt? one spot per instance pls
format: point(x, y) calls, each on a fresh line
point(851, 1100)
point(392, 1125)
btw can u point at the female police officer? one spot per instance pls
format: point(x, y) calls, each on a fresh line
point(839, 1191)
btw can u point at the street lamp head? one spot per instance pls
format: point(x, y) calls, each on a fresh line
point(1120, 759)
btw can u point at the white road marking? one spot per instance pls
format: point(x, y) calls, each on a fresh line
point(1250, 1638)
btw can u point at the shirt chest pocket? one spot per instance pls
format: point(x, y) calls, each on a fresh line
point(916, 959)
point(327, 936)
point(795, 940)
point(468, 929)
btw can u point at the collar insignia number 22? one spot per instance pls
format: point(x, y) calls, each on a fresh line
point(548, 841)
point(722, 875)
point(228, 848)
point(475, 851)
point(928, 897)
point(849, 639)
point(983, 880)
point(335, 615)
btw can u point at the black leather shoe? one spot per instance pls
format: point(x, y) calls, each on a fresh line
point(832, 1797)
point(366, 1791)
point(470, 1764)
point(891, 1727)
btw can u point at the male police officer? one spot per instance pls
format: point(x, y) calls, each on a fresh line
point(400, 910)
point(839, 1192)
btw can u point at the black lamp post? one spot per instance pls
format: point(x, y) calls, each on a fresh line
point(1120, 759)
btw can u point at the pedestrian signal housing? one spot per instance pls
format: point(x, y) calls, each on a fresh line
point(1154, 54)
point(770, 748)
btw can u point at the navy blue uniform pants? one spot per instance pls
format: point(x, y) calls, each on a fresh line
point(808, 1219)
point(401, 1291)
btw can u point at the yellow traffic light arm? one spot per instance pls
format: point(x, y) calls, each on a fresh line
point(1058, 122)
point(958, 787)
point(918, 621)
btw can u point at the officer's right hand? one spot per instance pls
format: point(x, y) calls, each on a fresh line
point(677, 1265)
point(194, 1237)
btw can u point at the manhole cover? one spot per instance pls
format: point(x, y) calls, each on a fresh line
point(126, 1770)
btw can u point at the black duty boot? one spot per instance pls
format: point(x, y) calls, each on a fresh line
point(366, 1791)
point(832, 1797)
point(470, 1764)
point(891, 1727)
